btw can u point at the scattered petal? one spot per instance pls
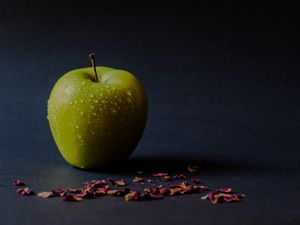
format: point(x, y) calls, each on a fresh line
point(112, 192)
point(85, 194)
point(225, 190)
point(225, 195)
point(18, 183)
point(45, 194)
point(164, 191)
point(132, 196)
point(119, 183)
point(25, 191)
point(101, 191)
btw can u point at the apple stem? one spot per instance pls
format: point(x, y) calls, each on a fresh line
point(93, 61)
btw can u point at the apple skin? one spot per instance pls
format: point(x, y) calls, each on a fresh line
point(96, 124)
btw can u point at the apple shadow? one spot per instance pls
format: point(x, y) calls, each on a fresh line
point(210, 164)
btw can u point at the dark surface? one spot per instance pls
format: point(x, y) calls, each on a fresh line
point(222, 85)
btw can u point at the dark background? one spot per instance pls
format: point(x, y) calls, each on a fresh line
point(222, 84)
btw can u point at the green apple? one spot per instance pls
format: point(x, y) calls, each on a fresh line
point(97, 115)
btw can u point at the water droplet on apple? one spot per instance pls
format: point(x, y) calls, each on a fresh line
point(96, 101)
point(81, 100)
point(94, 114)
point(76, 126)
point(92, 107)
point(91, 95)
point(128, 93)
point(81, 113)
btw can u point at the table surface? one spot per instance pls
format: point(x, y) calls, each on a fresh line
point(223, 85)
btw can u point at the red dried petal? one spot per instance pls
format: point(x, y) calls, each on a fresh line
point(225, 190)
point(150, 181)
point(25, 191)
point(101, 191)
point(18, 183)
point(217, 196)
point(155, 196)
point(164, 191)
point(85, 194)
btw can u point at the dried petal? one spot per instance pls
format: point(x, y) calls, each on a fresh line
point(225, 195)
point(119, 183)
point(112, 192)
point(85, 194)
point(101, 191)
point(45, 194)
point(155, 196)
point(18, 183)
point(225, 190)
point(132, 196)
point(164, 191)
point(25, 191)
point(175, 191)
